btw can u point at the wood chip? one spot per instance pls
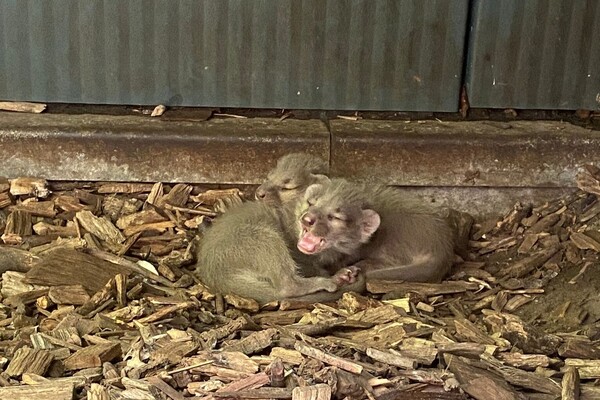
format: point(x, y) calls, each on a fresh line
point(155, 227)
point(527, 265)
point(125, 188)
point(158, 110)
point(293, 357)
point(98, 392)
point(165, 388)
point(92, 356)
point(27, 360)
point(254, 342)
point(588, 369)
point(570, 384)
point(425, 289)
point(22, 106)
point(37, 208)
point(18, 226)
point(46, 391)
point(29, 186)
point(17, 260)
point(528, 362)
point(102, 228)
point(316, 392)
point(584, 242)
point(73, 294)
point(70, 266)
point(524, 336)
point(328, 358)
point(392, 359)
point(480, 383)
point(163, 312)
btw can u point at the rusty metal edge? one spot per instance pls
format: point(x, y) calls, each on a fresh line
point(125, 148)
point(241, 151)
point(475, 153)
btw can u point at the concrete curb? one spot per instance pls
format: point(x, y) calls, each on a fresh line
point(478, 153)
point(480, 167)
point(137, 148)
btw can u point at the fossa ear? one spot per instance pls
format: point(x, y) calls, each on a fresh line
point(312, 190)
point(369, 223)
point(320, 179)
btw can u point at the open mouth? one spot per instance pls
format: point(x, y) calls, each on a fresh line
point(309, 243)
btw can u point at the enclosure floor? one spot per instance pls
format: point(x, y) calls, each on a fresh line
point(82, 314)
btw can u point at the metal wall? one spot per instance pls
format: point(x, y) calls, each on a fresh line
point(542, 54)
point(312, 54)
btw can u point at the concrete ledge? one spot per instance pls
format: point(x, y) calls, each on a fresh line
point(479, 167)
point(479, 153)
point(482, 202)
point(137, 148)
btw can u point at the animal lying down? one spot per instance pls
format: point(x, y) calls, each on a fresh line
point(249, 252)
point(376, 231)
point(295, 172)
point(314, 249)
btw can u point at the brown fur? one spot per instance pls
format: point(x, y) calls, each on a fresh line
point(373, 228)
point(246, 252)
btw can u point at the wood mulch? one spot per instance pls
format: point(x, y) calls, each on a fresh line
point(99, 301)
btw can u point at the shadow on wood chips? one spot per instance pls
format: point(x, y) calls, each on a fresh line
point(99, 301)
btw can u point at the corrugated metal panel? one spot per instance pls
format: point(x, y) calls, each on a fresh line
point(535, 54)
point(333, 54)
